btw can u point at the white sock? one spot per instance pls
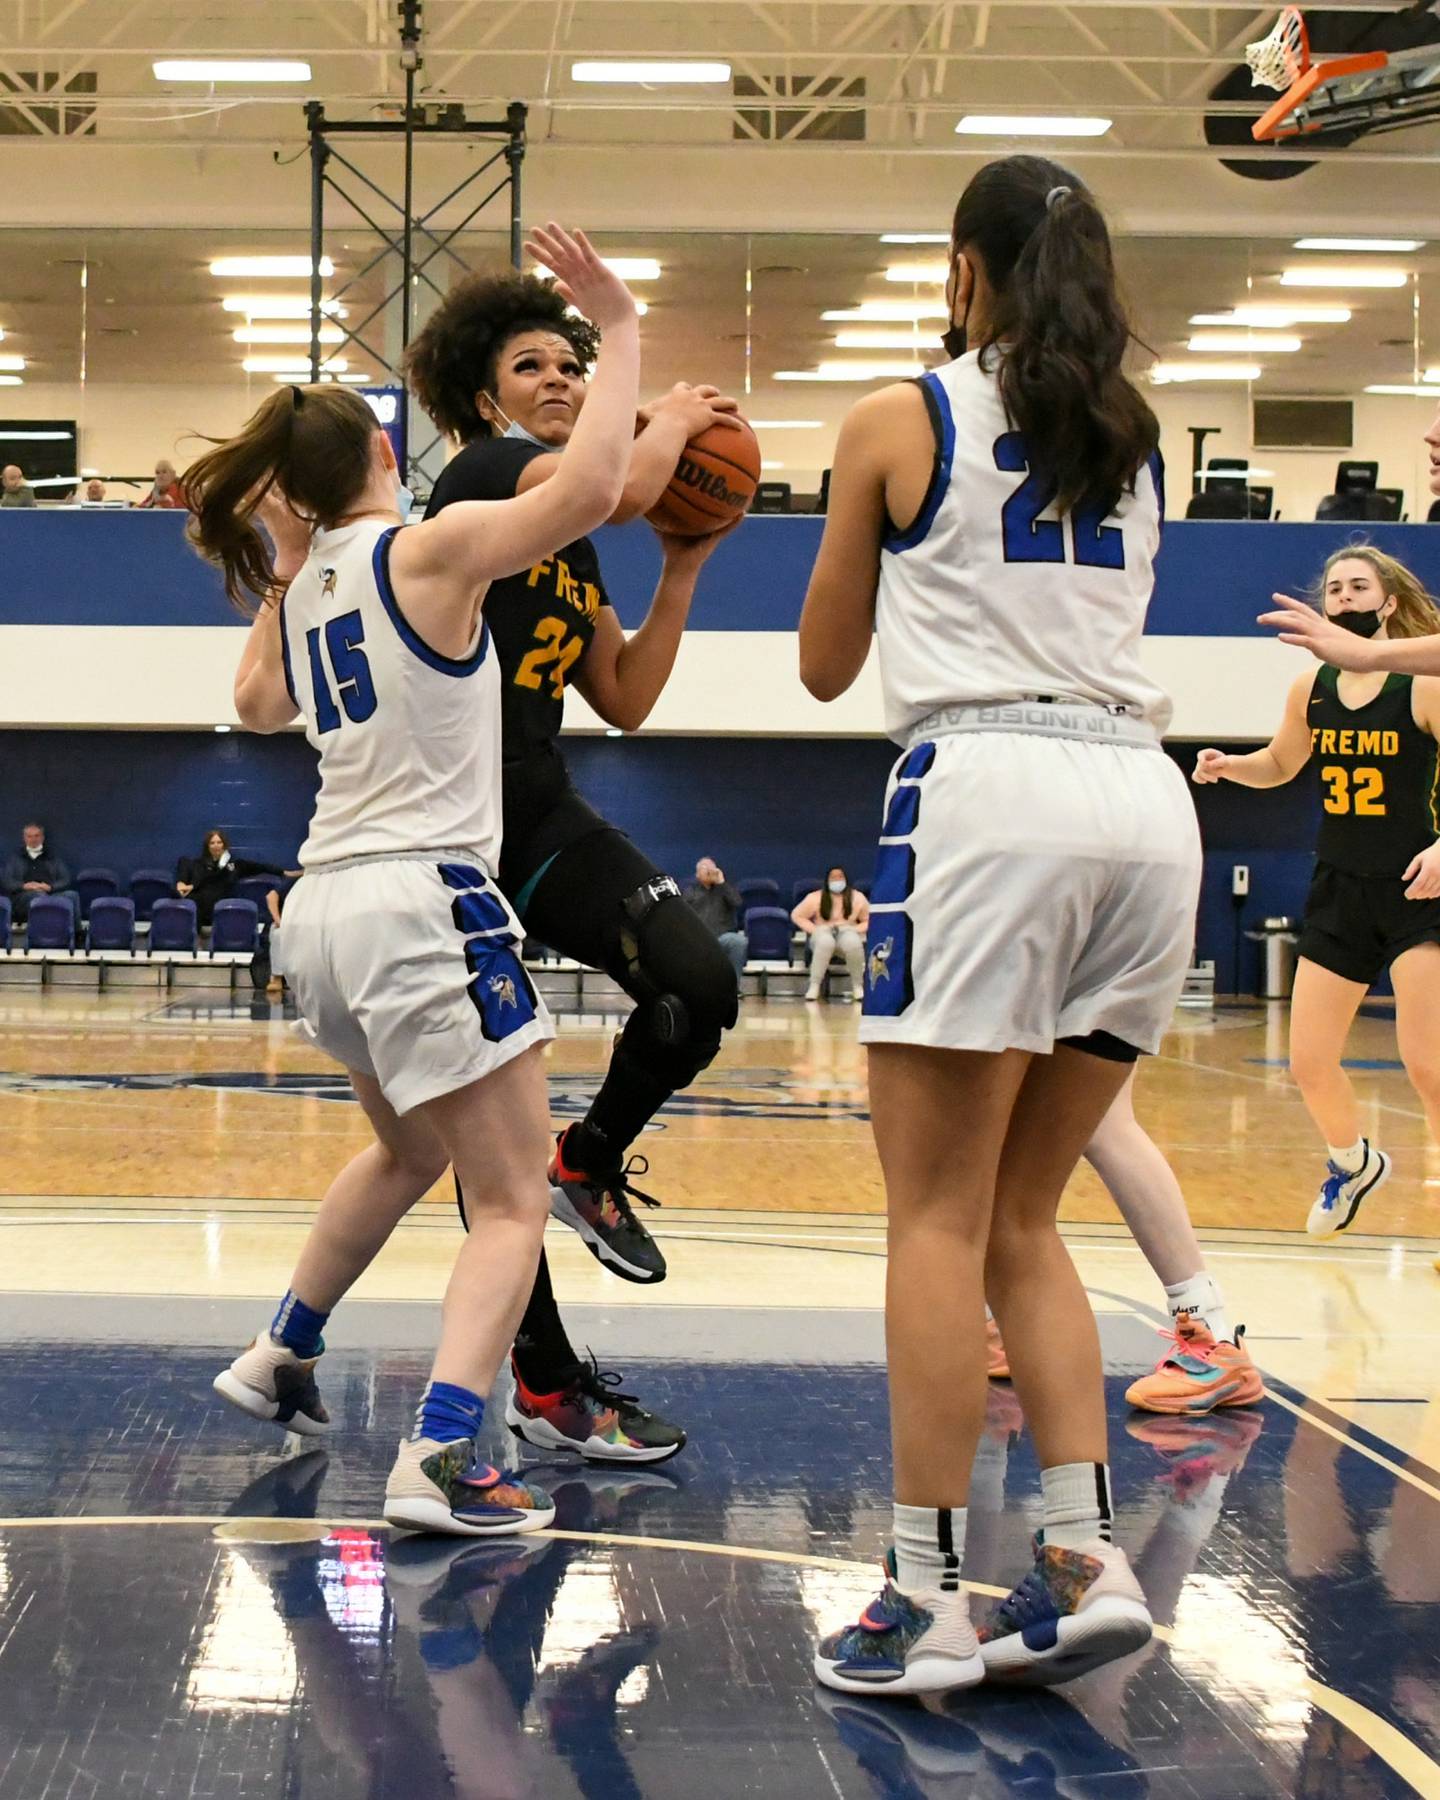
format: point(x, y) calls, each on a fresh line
point(929, 1545)
point(1076, 1500)
point(1200, 1296)
point(1351, 1160)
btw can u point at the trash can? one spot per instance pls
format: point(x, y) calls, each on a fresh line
point(1277, 939)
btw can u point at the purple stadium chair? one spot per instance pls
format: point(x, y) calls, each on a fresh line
point(757, 892)
point(172, 925)
point(51, 924)
point(5, 910)
point(92, 885)
point(767, 929)
point(234, 926)
point(802, 888)
point(149, 885)
point(254, 888)
point(112, 924)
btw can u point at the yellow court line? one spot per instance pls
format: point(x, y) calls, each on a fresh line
point(1380, 1737)
point(1341, 1437)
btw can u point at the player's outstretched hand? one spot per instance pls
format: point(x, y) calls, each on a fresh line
point(1299, 623)
point(1423, 875)
point(1210, 765)
point(581, 277)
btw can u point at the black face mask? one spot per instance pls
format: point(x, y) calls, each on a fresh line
point(1363, 624)
point(955, 340)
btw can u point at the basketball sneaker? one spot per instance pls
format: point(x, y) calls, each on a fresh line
point(588, 1413)
point(598, 1208)
point(1341, 1193)
point(1075, 1610)
point(440, 1487)
point(903, 1644)
point(998, 1363)
point(269, 1381)
point(1198, 1372)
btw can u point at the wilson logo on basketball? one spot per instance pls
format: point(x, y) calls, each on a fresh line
point(710, 483)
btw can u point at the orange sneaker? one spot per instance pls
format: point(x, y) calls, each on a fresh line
point(999, 1363)
point(1196, 1374)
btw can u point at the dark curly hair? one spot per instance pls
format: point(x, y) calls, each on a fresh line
point(456, 353)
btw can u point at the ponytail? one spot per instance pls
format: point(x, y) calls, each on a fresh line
point(1056, 327)
point(313, 443)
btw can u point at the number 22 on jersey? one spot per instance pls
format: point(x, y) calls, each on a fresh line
point(1030, 539)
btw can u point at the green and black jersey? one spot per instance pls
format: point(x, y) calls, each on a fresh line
point(1377, 771)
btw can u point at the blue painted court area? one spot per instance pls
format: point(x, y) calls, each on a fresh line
point(1369, 1063)
point(188, 1609)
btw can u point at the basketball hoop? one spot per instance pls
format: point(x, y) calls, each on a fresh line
point(1282, 58)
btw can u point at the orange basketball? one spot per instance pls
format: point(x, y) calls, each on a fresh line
point(714, 482)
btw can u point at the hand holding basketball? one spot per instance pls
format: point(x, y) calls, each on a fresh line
point(1210, 765)
point(714, 480)
point(581, 277)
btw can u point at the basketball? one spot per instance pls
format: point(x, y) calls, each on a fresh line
point(714, 482)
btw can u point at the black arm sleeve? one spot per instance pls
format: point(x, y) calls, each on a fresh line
point(488, 469)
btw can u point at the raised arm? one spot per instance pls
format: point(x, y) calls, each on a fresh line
point(1280, 761)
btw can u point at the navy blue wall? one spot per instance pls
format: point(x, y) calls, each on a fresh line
point(785, 808)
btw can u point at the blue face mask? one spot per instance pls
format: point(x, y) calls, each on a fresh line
point(512, 430)
point(404, 502)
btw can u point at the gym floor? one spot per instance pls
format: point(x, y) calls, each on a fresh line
point(191, 1606)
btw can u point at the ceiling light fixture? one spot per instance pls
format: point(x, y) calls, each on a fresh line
point(854, 371)
point(885, 340)
point(1032, 125)
point(288, 365)
point(628, 268)
point(38, 437)
point(1275, 318)
point(1361, 277)
point(286, 334)
point(278, 306)
point(1360, 243)
point(1405, 387)
point(269, 266)
point(929, 274)
point(915, 237)
point(884, 312)
point(1210, 341)
point(1163, 372)
point(226, 68)
point(653, 74)
point(12, 381)
point(12, 362)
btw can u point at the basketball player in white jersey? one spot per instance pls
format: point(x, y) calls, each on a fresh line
point(401, 951)
point(1033, 909)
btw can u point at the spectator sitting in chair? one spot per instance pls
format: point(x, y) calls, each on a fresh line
point(13, 488)
point(835, 918)
point(716, 902)
point(32, 870)
point(91, 492)
point(166, 491)
point(211, 876)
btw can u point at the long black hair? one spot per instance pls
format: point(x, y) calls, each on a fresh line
point(1042, 240)
point(457, 352)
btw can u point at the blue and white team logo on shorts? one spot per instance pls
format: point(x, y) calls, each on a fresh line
point(502, 991)
point(889, 984)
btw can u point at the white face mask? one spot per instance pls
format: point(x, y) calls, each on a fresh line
point(34, 851)
point(404, 502)
point(836, 887)
point(512, 430)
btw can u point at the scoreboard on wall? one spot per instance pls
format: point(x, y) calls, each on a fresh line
point(388, 406)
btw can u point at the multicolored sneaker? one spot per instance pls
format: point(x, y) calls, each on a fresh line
point(1341, 1193)
point(1197, 1373)
point(903, 1644)
point(589, 1414)
point(269, 1381)
point(598, 1208)
point(1196, 1451)
point(1075, 1610)
point(998, 1363)
point(440, 1487)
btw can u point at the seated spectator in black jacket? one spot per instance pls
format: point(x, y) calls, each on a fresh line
point(212, 875)
point(31, 870)
point(717, 903)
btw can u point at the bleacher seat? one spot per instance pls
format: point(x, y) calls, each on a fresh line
point(771, 497)
point(760, 891)
point(4, 921)
point(1226, 493)
point(1358, 498)
point(112, 923)
point(767, 930)
point(802, 888)
point(172, 925)
point(92, 885)
point(254, 888)
point(146, 887)
point(234, 927)
point(51, 924)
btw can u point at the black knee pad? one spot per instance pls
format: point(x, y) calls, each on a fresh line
point(686, 991)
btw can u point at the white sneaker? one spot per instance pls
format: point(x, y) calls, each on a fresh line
point(857, 994)
point(903, 1644)
point(1075, 1610)
point(440, 1487)
point(269, 1381)
point(812, 993)
point(1341, 1193)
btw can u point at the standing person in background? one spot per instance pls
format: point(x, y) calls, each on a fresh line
point(13, 488)
point(995, 524)
point(716, 903)
point(33, 869)
point(401, 950)
point(165, 492)
point(501, 367)
point(835, 918)
point(211, 876)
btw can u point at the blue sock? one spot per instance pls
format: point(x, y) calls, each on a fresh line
point(298, 1326)
point(447, 1412)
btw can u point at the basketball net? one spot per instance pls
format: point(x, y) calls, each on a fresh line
point(1278, 61)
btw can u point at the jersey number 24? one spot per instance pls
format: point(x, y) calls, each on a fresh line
point(1029, 538)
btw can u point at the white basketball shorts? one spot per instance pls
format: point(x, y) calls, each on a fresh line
point(1029, 888)
point(408, 969)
